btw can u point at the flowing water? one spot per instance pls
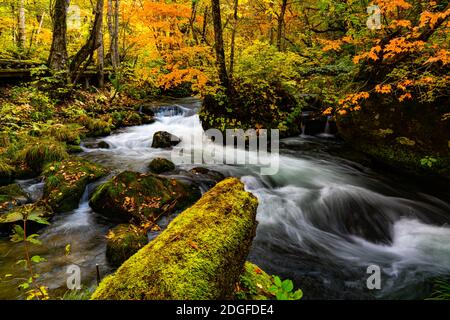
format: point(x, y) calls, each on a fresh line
point(323, 220)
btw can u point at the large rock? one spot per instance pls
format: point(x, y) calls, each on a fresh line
point(124, 241)
point(163, 139)
point(66, 181)
point(161, 165)
point(200, 256)
point(141, 197)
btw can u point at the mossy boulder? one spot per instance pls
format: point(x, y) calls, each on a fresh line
point(254, 284)
point(401, 135)
point(11, 196)
point(66, 181)
point(161, 165)
point(141, 197)
point(163, 139)
point(200, 256)
point(124, 241)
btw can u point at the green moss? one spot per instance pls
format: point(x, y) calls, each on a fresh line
point(36, 154)
point(254, 284)
point(142, 197)
point(199, 256)
point(96, 127)
point(161, 165)
point(65, 133)
point(66, 181)
point(124, 241)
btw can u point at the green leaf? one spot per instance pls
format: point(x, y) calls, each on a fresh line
point(36, 216)
point(18, 234)
point(297, 295)
point(11, 217)
point(282, 296)
point(277, 281)
point(37, 259)
point(24, 286)
point(33, 239)
point(22, 261)
point(287, 285)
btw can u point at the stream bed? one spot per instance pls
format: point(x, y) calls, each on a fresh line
point(323, 219)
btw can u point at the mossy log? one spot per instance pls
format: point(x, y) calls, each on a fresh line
point(200, 256)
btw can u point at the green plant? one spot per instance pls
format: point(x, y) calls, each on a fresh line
point(441, 290)
point(283, 290)
point(428, 162)
point(37, 154)
point(19, 235)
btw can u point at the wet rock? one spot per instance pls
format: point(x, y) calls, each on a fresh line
point(200, 256)
point(124, 241)
point(141, 197)
point(147, 109)
point(161, 165)
point(163, 139)
point(207, 177)
point(103, 145)
point(97, 145)
point(73, 149)
point(66, 181)
point(11, 196)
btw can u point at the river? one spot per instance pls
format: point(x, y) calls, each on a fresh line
point(323, 219)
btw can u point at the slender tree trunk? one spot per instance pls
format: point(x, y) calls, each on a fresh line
point(192, 20)
point(87, 50)
point(101, 52)
point(205, 24)
point(220, 52)
point(22, 32)
point(58, 53)
point(116, 31)
point(113, 30)
point(281, 25)
point(233, 38)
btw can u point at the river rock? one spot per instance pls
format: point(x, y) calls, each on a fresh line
point(206, 177)
point(66, 181)
point(200, 256)
point(11, 196)
point(142, 197)
point(163, 139)
point(124, 241)
point(161, 165)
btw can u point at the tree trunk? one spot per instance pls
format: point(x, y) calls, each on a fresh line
point(281, 25)
point(113, 29)
point(101, 52)
point(22, 32)
point(192, 20)
point(58, 53)
point(205, 24)
point(220, 52)
point(87, 51)
point(233, 38)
